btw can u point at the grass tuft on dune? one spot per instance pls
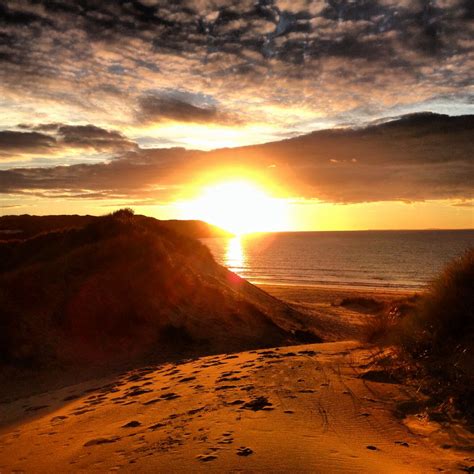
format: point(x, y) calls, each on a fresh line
point(434, 336)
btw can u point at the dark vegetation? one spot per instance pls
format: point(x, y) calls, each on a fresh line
point(26, 226)
point(126, 286)
point(362, 304)
point(433, 336)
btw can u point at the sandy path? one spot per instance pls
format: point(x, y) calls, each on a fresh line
point(293, 409)
point(324, 313)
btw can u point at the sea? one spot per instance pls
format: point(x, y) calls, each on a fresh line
point(401, 259)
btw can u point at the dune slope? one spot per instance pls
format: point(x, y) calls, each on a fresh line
point(122, 287)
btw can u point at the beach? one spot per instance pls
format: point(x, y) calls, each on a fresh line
point(324, 407)
point(236, 237)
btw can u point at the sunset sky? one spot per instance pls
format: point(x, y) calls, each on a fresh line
point(119, 104)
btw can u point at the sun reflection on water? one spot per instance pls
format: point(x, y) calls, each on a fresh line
point(234, 256)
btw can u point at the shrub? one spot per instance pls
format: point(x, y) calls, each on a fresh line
point(125, 213)
point(436, 338)
point(444, 316)
point(361, 304)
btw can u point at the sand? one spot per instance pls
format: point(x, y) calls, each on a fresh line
point(307, 408)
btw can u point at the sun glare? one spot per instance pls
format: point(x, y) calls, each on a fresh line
point(238, 206)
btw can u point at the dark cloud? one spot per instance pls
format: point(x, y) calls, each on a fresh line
point(25, 142)
point(90, 136)
point(129, 175)
point(153, 108)
point(53, 138)
point(417, 157)
point(201, 30)
point(410, 158)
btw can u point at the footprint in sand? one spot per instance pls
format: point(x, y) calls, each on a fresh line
point(372, 448)
point(226, 438)
point(225, 387)
point(81, 412)
point(259, 403)
point(402, 443)
point(156, 426)
point(152, 401)
point(195, 410)
point(169, 396)
point(58, 419)
point(309, 353)
point(137, 392)
point(236, 402)
point(132, 424)
point(186, 379)
point(98, 441)
point(244, 451)
point(230, 379)
point(206, 457)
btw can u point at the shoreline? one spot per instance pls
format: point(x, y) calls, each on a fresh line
point(321, 295)
point(342, 287)
point(338, 314)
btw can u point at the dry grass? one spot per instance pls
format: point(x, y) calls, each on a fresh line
point(434, 336)
point(444, 318)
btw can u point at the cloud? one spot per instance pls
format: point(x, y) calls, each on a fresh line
point(158, 108)
point(411, 158)
point(25, 142)
point(88, 59)
point(90, 136)
point(52, 139)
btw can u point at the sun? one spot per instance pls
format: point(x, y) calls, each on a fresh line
point(239, 207)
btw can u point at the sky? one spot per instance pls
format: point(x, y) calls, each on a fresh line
point(112, 104)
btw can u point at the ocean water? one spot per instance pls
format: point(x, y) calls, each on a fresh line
point(374, 259)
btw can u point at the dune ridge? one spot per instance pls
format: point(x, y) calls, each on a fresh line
point(125, 286)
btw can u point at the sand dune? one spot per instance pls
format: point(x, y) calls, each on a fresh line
point(122, 291)
point(294, 409)
point(123, 287)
